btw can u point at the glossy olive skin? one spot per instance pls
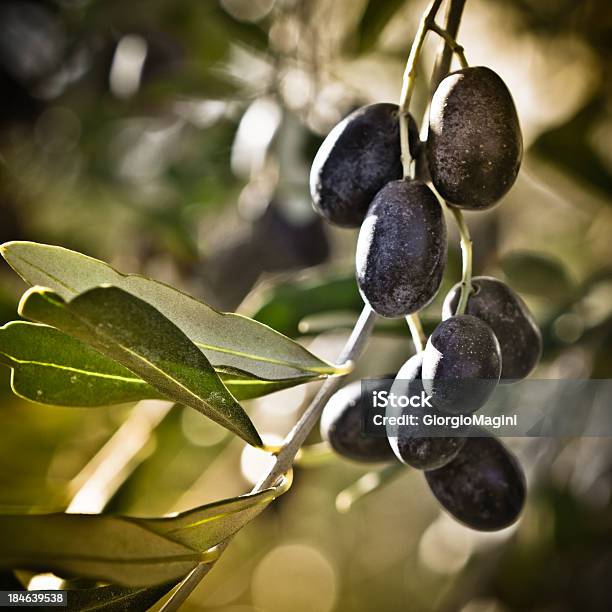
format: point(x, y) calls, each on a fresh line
point(359, 156)
point(421, 452)
point(474, 146)
point(342, 426)
point(401, 249)
point(483, 487)
point(506, 313)
point(461, 364)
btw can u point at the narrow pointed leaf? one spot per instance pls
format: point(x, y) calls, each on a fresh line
point(127, 551)
point(132, 332)
point(114, 598)
point(246, 386)
point(93, 546)
point(50, 367)
point(207, 526)
point(227, 339)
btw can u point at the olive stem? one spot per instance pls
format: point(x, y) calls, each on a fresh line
point(286, 454)
point(408, 84)
point(451, 42)
point(314, 455)
point(452, 19)
point(466, 256)
point(368, 483)
point(419, 338)
point(409, 81)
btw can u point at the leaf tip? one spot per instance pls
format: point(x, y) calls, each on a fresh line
point(11, 244)
point(31, 294)
point(253, 437)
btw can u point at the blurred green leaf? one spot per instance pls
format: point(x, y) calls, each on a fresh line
point(288, 304)
point(207, 526)
point(132, 332)
point(127, 551)
point(376, 16)
point(537, 274)
point(227, 339)
point(570, 147)
point(101, 547)
point(50, 367)
point(115, 598)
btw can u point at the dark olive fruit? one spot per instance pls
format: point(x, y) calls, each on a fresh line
point(342, 425)
point(474, 147)
point(461, 364)
point(505, 312)
point(483, 487)
point(401, 250)
point(412, 445)
point(358, 157)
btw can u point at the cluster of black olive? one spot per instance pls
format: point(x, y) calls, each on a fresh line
point(473, 154)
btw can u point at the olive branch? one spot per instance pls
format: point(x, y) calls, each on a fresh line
point(365, 323)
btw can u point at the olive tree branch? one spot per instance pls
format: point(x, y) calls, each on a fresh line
point(363, 328)
point(295, 439)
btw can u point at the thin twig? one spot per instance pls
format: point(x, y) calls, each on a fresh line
point(466, 259)
point(366, 484)
point(451, 42)
point(408, 84)
point(409, 81)
point(416, 331)
point(452, 18)
point(100, 479)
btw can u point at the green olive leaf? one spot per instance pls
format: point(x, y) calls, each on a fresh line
point(50, 367)
point(227, 339)
point(376, 16)
point(245, 386)
point(207, 526)
point(133, 333)
point(114, 598)
point(287, 305)
point(127, 551)
point(102, 547)
point(537, 274)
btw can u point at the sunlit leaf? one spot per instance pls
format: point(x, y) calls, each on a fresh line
point(246, 386)
point(227, 339)
point(204, 527)
point(51, 367)
point(132, 332)
point(128, 551)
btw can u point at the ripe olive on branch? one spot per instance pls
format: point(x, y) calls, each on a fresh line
point(357, 158)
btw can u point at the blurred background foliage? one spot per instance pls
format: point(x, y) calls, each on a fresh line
point(173, 138)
